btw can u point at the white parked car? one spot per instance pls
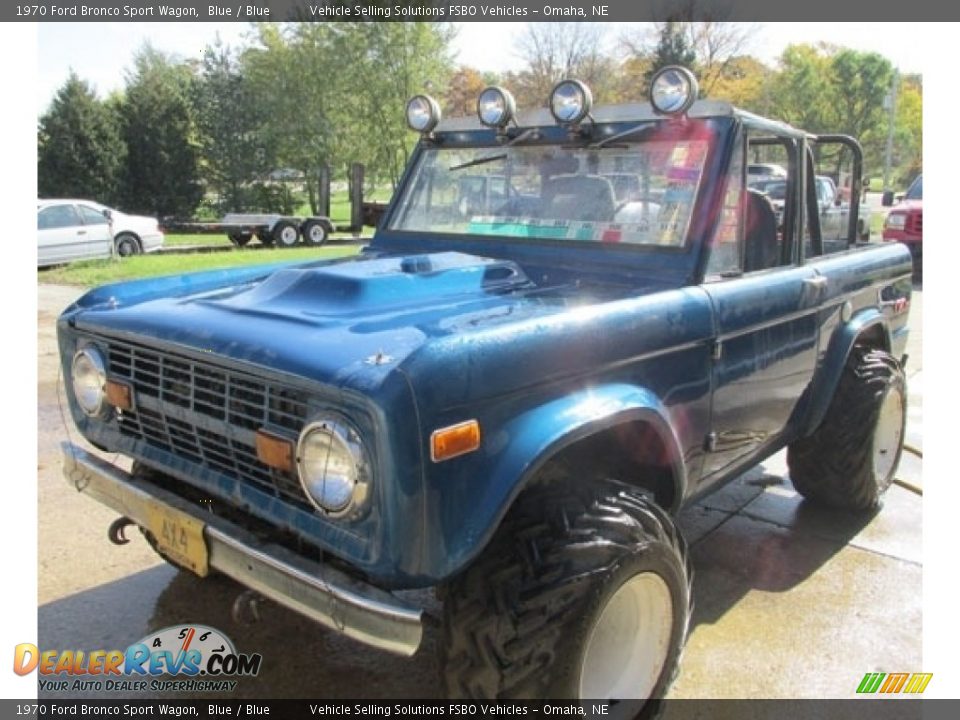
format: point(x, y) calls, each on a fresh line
point(70, 230)
point(67, 231)
point(132, 234)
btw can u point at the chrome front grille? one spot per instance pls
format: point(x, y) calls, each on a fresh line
point(208, 414)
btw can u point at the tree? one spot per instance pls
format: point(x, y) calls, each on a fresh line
point(80, 152)
point(908, 137)
point(673, 48)
point(460, 96)
point(383, 65)
point(826, 89)
point(230, 122)
point(860, 81)
point(556, 51)
point(162, 166)
point(292, 72)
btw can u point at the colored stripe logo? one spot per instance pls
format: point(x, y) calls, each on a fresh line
point(908, 683)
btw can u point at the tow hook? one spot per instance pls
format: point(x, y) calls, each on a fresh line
point(246, 608)
point(116, 530)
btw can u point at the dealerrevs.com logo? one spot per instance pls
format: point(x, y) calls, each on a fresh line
point(202, 654)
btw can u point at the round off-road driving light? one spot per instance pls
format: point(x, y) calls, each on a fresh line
point(673, 90)
point(423, 113)
point(570, 102)
point(332, 466)
point(496, 107)
point(89, 375)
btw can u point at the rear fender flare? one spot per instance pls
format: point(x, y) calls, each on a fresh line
point(841, 344)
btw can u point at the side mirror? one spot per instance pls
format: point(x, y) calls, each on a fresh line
point(107, 214)
point(887, 200)
point(838, 201)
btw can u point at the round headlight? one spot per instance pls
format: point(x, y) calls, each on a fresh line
point(496, 107)
point(570, 102)
point(423, 113)
point(89, 376)
point(332, 466)
point(673, 90)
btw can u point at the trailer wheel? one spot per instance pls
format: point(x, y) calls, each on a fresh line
point(240, 239)
point(314, 233)
point(285, 234)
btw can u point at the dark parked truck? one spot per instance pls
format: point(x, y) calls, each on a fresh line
point(508, 399)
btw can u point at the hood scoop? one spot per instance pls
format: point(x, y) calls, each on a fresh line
point(382, 283)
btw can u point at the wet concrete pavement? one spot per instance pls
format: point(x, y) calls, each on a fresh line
point(791, 601)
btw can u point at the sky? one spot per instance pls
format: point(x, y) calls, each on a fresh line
point(101, 52)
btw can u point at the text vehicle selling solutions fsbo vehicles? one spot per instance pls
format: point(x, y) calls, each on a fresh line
point(569, 324)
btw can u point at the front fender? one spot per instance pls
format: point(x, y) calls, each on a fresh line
point(541, 433)
point(828, 375)
point(522, 446)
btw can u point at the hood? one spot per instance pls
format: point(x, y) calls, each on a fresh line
point(325, 321)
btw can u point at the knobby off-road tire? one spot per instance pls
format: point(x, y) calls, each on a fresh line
point(851, 459)
point(577, 567)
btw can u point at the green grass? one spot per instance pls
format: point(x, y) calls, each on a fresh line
point(99, 272)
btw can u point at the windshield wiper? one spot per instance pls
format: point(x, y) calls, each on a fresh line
point(619, 136)
point(479, 161)
point(525, 135)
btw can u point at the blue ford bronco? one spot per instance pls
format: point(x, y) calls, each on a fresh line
point(569, 324)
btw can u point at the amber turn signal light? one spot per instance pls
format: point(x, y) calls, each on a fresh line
point(449, 442)
point(119, 395)
point(275, 452)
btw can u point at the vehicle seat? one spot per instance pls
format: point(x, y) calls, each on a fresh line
point(761, 237)
point(578, 197)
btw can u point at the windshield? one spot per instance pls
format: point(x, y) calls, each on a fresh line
point(639, 193)
point(916, 189)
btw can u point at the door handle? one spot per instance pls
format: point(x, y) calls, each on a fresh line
point(81, 232)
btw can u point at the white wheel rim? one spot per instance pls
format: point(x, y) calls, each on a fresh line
point(628, 646)
point(887, 437)
point(316, 234)
point(288, 236)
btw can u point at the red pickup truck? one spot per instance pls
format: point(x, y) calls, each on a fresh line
point(904, 222)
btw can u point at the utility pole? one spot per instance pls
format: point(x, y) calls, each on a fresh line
point(890, 105)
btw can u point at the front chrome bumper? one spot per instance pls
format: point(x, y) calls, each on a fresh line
point(322, 593)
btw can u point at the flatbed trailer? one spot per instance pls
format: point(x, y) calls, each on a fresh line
point(287, 230)
point(281, 230)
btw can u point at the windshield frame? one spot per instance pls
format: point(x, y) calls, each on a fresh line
point(714, 130)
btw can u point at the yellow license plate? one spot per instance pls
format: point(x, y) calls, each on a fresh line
point(179, 536)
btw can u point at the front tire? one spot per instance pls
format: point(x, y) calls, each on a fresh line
point(584, 592)
point(851, 459)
